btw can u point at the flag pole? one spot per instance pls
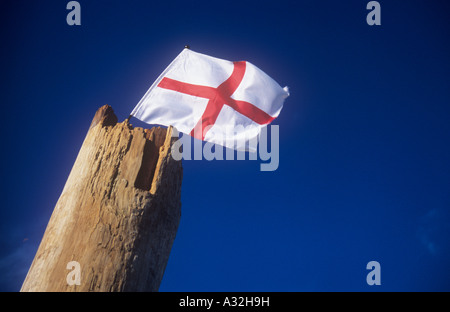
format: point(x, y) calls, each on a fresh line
point(128, 119)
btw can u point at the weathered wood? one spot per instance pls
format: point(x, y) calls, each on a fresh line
point(117, 215)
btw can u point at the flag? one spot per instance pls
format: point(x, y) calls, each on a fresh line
point(214, 100)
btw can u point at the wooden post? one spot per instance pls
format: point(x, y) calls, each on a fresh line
point(118, 213)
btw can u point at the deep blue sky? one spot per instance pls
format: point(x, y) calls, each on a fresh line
point(364, 137)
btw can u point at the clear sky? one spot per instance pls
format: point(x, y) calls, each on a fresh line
point(364, 170)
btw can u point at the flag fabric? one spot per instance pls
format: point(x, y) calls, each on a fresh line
point(214, 100)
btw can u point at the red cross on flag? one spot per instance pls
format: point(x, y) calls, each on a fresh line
point(213, 100)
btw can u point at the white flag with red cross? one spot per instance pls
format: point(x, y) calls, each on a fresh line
point(214, 100)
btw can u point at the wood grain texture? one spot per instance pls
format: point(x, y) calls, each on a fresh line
point(117, 215)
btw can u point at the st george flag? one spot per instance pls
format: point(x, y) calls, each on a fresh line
point(213, 100)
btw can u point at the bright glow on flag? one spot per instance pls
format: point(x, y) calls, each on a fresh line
point(214, 100)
